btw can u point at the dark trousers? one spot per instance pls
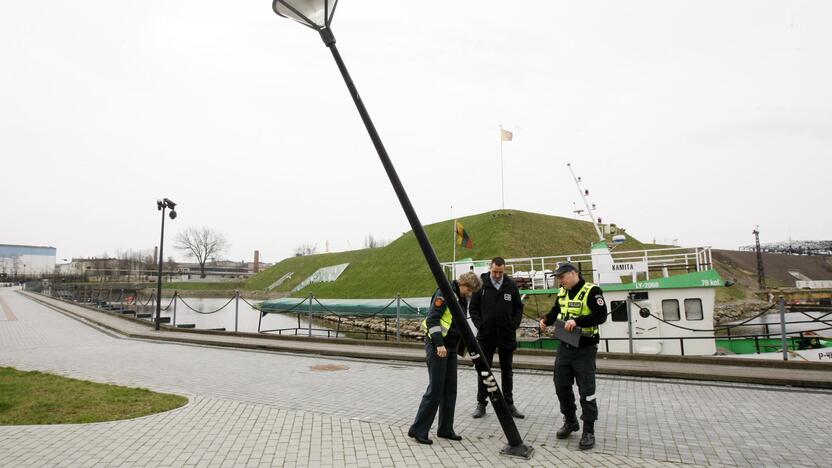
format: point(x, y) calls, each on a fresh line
point(576, 365)
point(440, 395)
point(506, 355)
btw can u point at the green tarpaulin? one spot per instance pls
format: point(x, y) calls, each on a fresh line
point(411, 307)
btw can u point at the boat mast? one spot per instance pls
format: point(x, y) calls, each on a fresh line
point(586, 203)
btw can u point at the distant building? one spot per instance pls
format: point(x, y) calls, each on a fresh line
point(219, 270)
point(26, 261)
point(94, 267)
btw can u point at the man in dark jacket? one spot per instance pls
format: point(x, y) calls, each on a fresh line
point(496, 311)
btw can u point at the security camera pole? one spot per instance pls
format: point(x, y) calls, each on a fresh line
point(162, 205)
point(317, 14)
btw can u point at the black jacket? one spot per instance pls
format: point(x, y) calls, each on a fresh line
point(437, 308)
point(597, 307)
point(497, 313)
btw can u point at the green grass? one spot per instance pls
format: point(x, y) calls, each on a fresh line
point(40, 398)
point(400, 266)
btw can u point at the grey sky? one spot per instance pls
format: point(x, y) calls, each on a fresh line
point(687, 120)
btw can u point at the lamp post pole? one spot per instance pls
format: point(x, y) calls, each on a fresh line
point(515, 445)
point(162, 205)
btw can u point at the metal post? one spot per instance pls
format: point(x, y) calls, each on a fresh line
point(630, 323)
point(259, 321)
point(175, 298)
point(515, 445)
point(310, 313)
point(398, 318)
point(159, 277)
point(236, 310)
point(783, 328)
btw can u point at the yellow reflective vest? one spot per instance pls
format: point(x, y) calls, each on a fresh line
point(576, 307)
point(444, 323)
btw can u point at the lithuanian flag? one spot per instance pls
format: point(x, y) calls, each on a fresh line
point(462, 237)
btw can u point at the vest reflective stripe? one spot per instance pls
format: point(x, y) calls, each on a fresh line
point(444, 323)
point(577, 307)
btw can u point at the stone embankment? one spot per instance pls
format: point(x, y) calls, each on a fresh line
point(738, 310)
point(724, 312)
point(409, 328)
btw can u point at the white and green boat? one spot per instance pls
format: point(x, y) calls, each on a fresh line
point(663, 298)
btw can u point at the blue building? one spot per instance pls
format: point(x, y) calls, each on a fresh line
point(26, 260)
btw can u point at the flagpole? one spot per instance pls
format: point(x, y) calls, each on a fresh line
point(502, 183)
point(453, 265)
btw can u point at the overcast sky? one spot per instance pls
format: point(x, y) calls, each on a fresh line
point(689, 120)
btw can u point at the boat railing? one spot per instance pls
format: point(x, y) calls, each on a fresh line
point(794, 339)
point(536, 272)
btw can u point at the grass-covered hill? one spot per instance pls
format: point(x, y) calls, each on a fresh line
point(400, 266)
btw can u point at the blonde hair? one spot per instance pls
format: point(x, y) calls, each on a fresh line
point(470, 279)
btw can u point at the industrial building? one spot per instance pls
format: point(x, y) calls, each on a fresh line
point(26, 261)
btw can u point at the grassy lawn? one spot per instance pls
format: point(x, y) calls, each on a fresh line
point(400, 266)
point(39, 398)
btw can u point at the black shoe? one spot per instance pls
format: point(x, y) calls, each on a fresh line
point(587, 441)
point(420, 439)
point(452, 436)
point(479, 412)
point(570, 425)
point(516, 413)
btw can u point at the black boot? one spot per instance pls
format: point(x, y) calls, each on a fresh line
point(570, 425)
point(587, 441)
point(516, 413)
point(479, 412)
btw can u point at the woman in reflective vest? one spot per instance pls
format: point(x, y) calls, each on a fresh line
point(442, 343)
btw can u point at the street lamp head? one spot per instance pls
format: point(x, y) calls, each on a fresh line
point(159, 205)
point(316, 14)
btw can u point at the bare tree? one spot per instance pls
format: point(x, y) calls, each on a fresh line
point(201, 244)
point(305, 249)
point(371, 242)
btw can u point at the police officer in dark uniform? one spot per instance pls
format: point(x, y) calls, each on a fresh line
point(442, 343)
point(496, 311)
point(579, 304)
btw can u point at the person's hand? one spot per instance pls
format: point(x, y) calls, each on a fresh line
point(543, 325)
point(570, 325)
point(441, 351)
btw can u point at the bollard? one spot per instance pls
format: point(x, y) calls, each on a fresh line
point(236, 310)
point(783, 328)
point(398, 318)
point(630, 323)
point(310, 313)
point(175, 298)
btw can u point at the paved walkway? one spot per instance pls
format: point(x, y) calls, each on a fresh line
point(259, 408)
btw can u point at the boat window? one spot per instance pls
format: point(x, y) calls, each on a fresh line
point(670, 310)
point(618, 311)
point(693, 309)
point(640, 296)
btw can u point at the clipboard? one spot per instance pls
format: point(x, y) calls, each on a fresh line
point(572, 338)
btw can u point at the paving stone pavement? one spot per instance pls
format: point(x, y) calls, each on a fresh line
point(252, 408)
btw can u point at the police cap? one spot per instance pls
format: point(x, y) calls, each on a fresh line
point(565, 268)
